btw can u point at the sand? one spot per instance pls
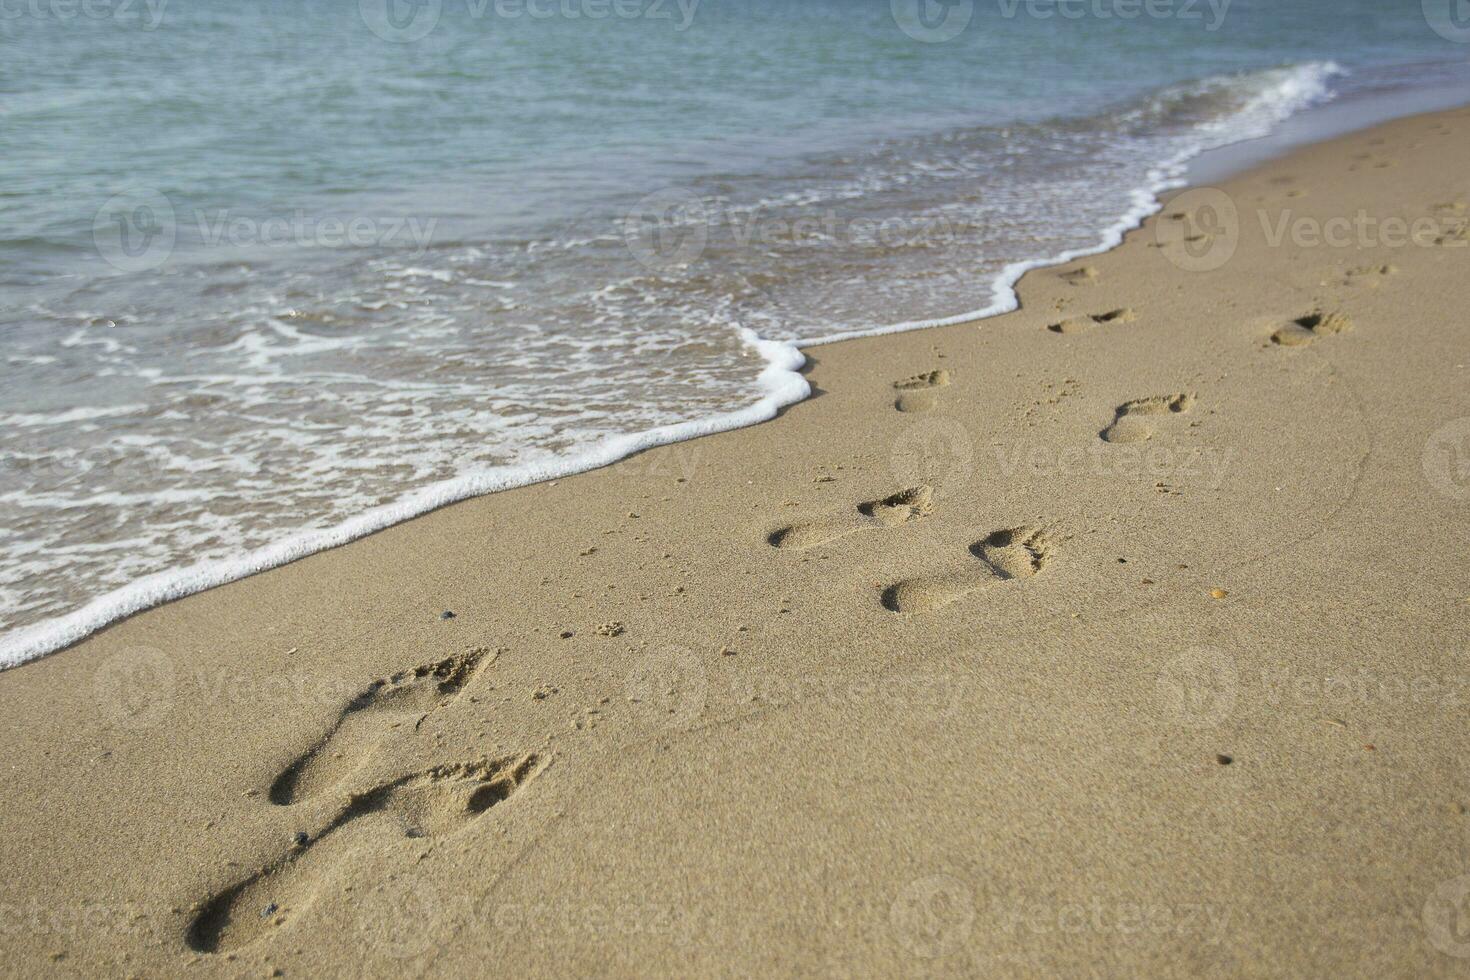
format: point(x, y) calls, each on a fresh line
point(1123, 634)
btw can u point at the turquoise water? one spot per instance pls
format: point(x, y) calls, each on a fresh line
point(278, 273)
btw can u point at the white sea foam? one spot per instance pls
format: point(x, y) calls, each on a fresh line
point(780, 382)
point(1273, 96)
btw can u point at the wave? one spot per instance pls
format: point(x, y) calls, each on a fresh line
point(1185, 120)
point(1222, 110)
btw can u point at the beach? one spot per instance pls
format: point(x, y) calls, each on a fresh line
point(1124, 633)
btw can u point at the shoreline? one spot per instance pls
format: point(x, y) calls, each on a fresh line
point(1009, 620)
point(781, 381)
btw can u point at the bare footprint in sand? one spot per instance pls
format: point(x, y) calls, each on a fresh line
point(409, 695)
point(1363, 161)
point(1012, 553)
point(913, 504)
point(1457, 237)
point(1084, 276)
point(916, 393)
point(426, 805)
point(1310, 328)
point(1370, 276)
point(1078, 324)
point(1135, 421)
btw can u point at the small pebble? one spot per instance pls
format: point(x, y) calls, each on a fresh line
point(269, 910)
point(301, 838)
point(1223, 759)
point(1218, 593)
point(446, 614)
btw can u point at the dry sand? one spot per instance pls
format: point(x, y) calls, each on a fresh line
point(1129, 643)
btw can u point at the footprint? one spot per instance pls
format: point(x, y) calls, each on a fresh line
point(1369, 275)
point(1135, 421)
point(1078, 324)
point(913, 504)
point(1456, 237)
point(426, 805)
point(362, 721)
point(1365, 159)
point(916, 393)
point(1013, 553)
point(1085, 276)
point(1304, 330)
